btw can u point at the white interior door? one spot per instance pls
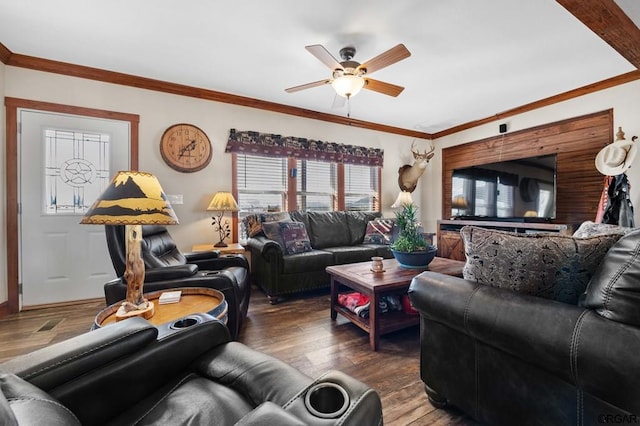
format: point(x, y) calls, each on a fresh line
point(65, 162)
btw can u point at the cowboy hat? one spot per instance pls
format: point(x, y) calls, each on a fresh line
point(614, 159)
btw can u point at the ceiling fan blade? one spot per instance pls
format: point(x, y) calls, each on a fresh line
point(307, 86)
point(338, 101)
point(382, 87)
point(324, 56)
point(391, 56)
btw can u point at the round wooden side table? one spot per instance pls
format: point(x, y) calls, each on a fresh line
point(192, 301)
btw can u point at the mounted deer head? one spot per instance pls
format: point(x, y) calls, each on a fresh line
point(408, 175)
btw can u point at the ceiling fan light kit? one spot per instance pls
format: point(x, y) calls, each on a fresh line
point(347, 85)
point(348, 76)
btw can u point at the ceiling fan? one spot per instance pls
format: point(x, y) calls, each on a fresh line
point(350, 76)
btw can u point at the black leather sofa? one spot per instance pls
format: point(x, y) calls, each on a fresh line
point(134, 373)
point(336, 238)
point(508, 358)
point(167, 267)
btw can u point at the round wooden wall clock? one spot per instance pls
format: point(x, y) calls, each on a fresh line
point(185, 148)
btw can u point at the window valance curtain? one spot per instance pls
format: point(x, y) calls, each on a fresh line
point(267, 144)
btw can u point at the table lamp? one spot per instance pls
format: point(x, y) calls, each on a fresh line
point(132, 199)
point(459, 202)
point(404, 199)
point(221, 202)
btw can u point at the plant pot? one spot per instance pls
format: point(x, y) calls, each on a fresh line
point(414, 259)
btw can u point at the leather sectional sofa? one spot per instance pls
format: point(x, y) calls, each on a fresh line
point(335, 238)
point(508, 358)
point(134, 373)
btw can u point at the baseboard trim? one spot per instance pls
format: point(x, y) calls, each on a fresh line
point(60, 304)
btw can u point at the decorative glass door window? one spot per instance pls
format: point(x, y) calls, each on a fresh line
point(76, 170)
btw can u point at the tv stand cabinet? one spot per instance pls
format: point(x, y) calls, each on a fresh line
point(450, 244)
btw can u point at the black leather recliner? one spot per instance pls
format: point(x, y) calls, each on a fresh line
point(509, 358)
point(167, 267)
point(134, 373)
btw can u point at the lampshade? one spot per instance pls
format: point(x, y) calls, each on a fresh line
point(459, 202)
point(223, 201)
point(404, 199)
point(132, 198)
point(347, 85)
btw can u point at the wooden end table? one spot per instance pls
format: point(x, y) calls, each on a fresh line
point(394, 279)
point(233, 248)
point(192, 301)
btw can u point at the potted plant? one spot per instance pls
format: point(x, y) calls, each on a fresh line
point(410, 248)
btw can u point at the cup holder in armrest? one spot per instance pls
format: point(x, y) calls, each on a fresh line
point(185, 322)
point(327, 400)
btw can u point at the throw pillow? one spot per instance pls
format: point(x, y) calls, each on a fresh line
point(357, 222)
point(295, 238)
point(551, 266)
point(253, 222)
point(252, 225)
point(589, 229)
point(272, 231)
point(379, 231)
point(614, 290)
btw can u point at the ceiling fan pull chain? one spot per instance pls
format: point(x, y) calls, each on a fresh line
point(348, 106)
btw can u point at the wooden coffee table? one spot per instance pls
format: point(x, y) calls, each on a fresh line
point(394, 279)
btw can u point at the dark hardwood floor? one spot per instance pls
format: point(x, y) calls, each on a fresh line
point(298, 331)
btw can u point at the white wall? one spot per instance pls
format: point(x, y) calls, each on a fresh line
point(160, 110)
point(624, 99)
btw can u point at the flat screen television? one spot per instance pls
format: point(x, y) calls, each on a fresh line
point(515, 190)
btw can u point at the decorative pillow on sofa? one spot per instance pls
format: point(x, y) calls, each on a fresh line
point(357, 222)
point(253, 222)
point(295, 238)
point(272, 231)
point(590, 229)
point(551, 266)
point(614, 289)
point(379, 231)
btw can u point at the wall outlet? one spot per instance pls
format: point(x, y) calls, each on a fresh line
point(174, 198)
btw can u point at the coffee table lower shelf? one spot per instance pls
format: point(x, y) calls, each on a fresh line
point(389, 321)
point(395, 280)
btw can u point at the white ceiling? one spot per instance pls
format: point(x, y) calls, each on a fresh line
point(471, 59)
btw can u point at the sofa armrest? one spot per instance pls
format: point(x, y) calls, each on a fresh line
point(537, 330)
point(269, 413)
point(221, 262)
point(169, 273)
point(194, 257)
point(62, 362)
point(268, 249)
point(114, 364)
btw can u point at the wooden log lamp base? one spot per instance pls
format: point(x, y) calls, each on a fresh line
point(135, 305)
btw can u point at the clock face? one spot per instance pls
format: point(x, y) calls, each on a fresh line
point(185, 148)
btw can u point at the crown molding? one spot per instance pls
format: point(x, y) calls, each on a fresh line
point(56, 67)
point(581, 91)
point(5, 54)
point(47, 65)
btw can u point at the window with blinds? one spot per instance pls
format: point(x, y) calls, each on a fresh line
point(361, 187)
point(316, 187)
point(262, 184)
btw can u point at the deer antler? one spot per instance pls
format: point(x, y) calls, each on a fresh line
point(426, 154)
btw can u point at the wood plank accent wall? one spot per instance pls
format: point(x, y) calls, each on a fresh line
point(576, 141)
